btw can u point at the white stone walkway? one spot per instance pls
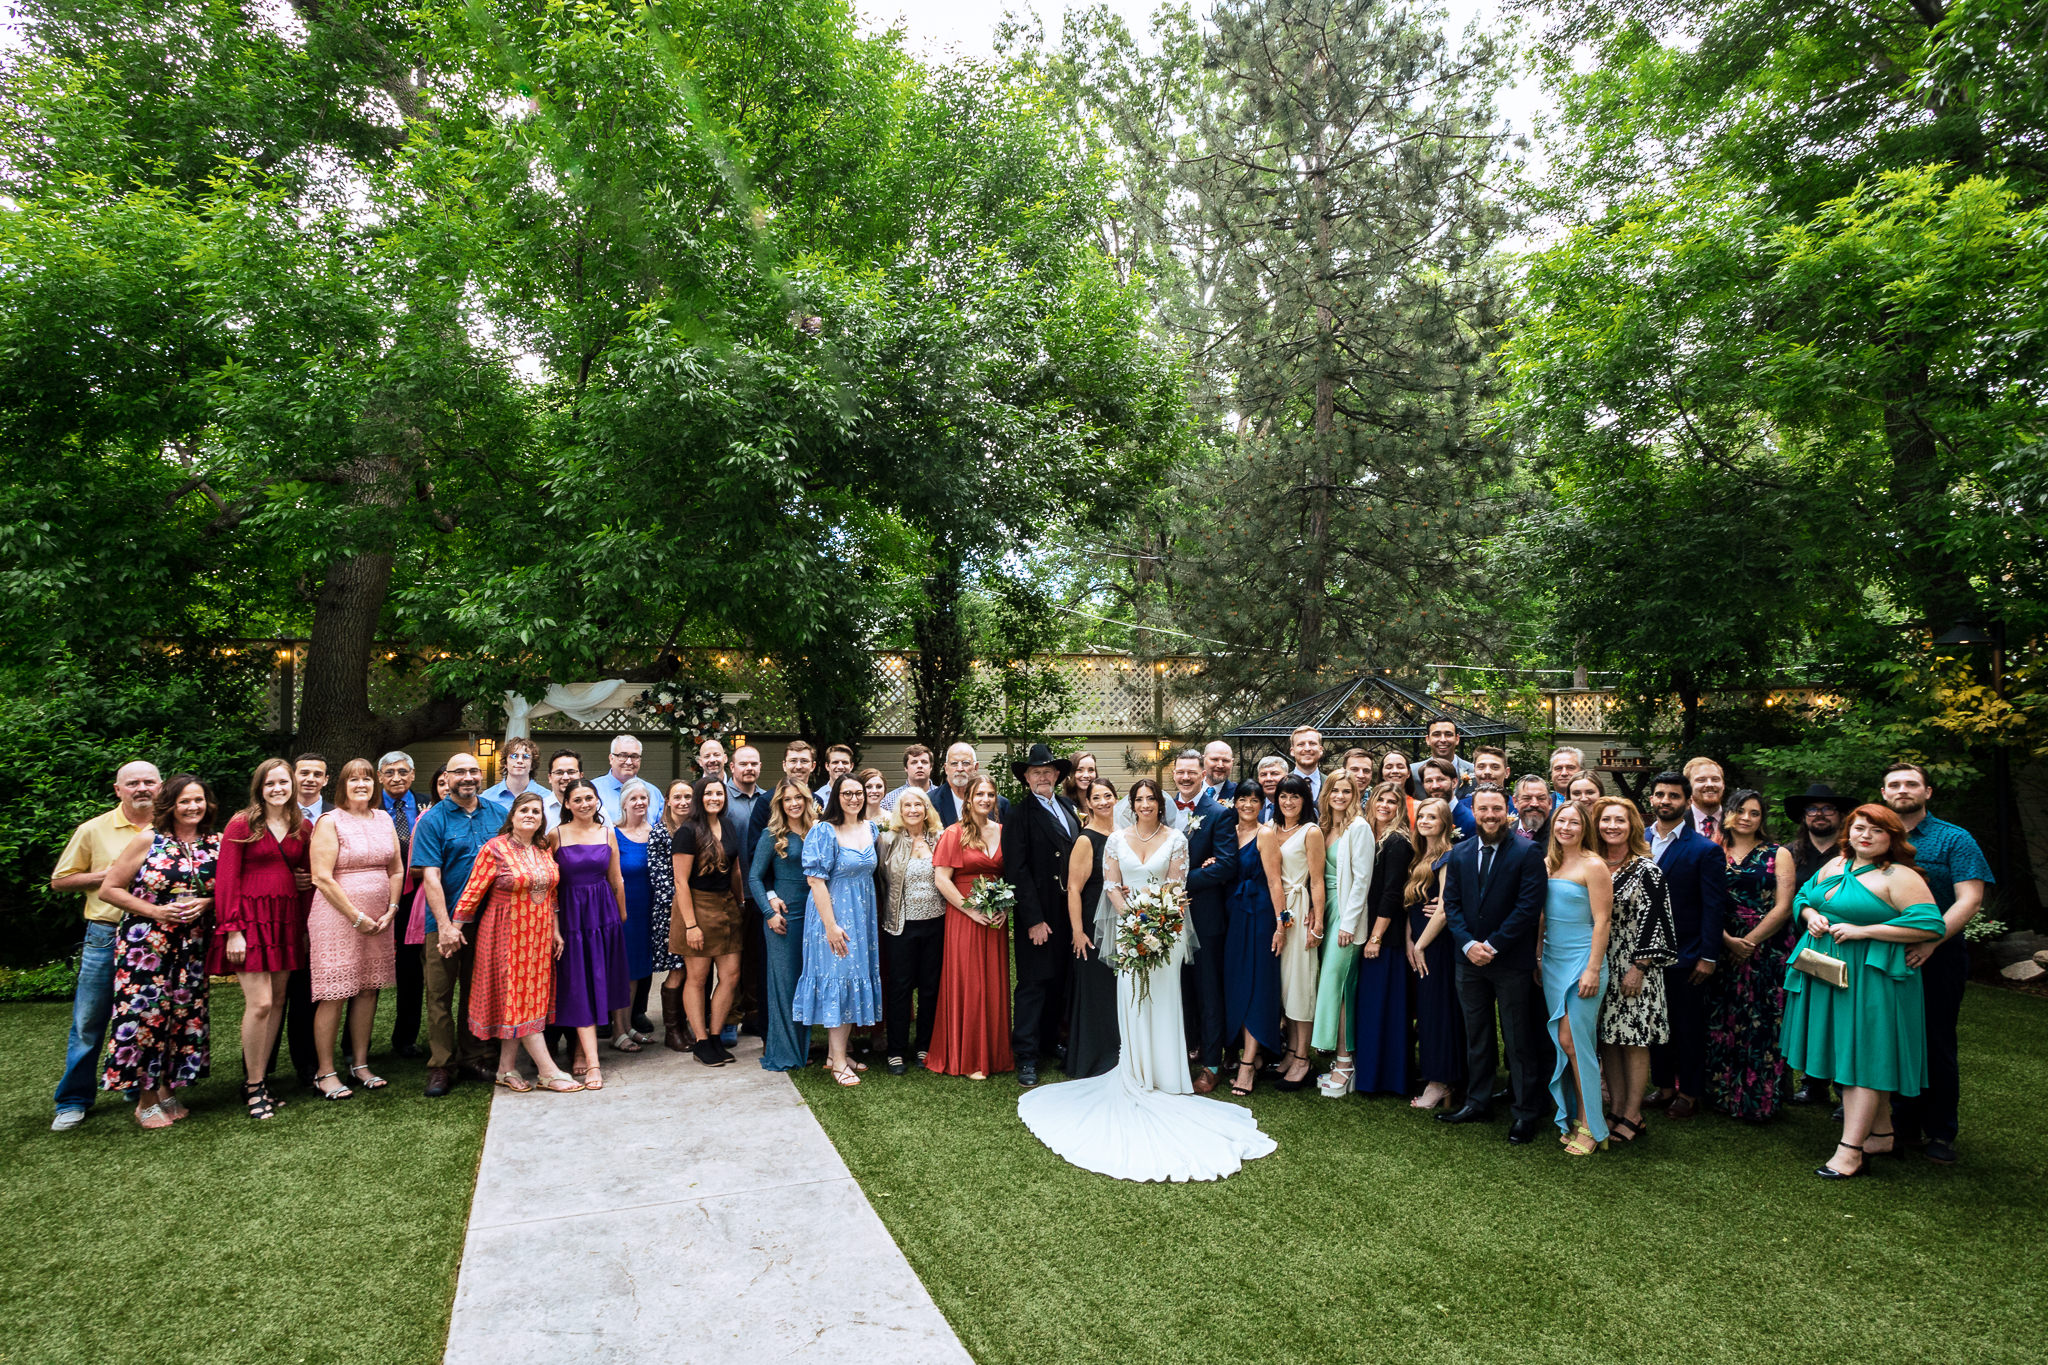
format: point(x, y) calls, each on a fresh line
point(683, 1214)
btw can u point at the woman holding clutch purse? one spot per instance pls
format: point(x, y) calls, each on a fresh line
point(1853, 1008)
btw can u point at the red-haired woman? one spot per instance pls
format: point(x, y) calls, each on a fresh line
point(971, 1036)
point(259, 930)
point(1862, 910)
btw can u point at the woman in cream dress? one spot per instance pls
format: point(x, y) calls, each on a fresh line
point(1294, 869)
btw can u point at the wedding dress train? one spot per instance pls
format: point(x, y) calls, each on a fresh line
point(1143, 1120)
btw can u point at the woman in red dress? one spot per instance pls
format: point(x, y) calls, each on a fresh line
point(972, 1035)
point(259, 930)
point(512, 987)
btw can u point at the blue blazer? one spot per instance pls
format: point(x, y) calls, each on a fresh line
point(1215, 838)
point(1696, 870)
point(1508, 913)
point(949, 809)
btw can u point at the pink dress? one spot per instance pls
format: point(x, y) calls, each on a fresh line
point(345, 961)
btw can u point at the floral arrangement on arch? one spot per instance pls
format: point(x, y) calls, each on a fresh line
point(695, 714)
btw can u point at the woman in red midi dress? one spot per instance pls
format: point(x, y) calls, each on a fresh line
point(972, 1035)
point(259, 930)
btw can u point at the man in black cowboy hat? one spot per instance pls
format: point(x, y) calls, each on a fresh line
point(1818, 813)
point(1037, 841)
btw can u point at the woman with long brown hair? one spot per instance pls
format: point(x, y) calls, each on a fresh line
point(259, 930)
point(971, 1036)
point(357, 875)
point(1641, 942)
point(1860, 913)
point(1292, 850)
point(511, 888)
point(1439, 1018)
point(841, 987)
point(706, 853)
point(777, 884)
point(1576, 915)
point(1347, 875)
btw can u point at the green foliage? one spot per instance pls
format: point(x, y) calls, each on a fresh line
point(51, 981)
point(1019, 696)
point(65, 729)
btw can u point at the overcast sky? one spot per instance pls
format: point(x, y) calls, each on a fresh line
point(939, 28)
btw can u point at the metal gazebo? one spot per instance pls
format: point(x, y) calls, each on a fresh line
point(1369, 709)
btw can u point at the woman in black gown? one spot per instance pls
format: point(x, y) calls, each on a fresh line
point(1092, 1040)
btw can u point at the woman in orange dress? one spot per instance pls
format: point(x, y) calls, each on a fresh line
point(972, 1035)
point(512, 989)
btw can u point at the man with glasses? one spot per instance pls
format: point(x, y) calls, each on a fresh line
point(394, 776)
point(444, 848)
point(625, 766)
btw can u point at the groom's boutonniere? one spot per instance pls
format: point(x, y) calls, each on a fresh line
point(1195, 822)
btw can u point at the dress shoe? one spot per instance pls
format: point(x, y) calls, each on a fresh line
point(1205, 1080)
point(409, 1051)
point(1837, 1115)
point(1813, 1092)
point(642, 1024)
point(1027, 1074)
point(1684, 1107)
point(477, 1071)
point(1660, 1098)
point(440, 1080)
point(1522, 1132)
point(1939, 1152)
point(1469, 1113)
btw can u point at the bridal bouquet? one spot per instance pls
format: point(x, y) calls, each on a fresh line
point(992, 897)
point(1153, 919)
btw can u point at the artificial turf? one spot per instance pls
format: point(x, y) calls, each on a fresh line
point(331, 1233)
point(1376, 1234)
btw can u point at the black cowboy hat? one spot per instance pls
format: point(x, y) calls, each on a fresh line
point(1820, 793)
point(1042, 757)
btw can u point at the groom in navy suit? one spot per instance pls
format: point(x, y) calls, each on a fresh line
point(1212, 866)
point(1696, 872)
point(1494, 892)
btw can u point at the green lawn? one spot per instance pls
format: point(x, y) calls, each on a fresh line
point(1377, 1234)
point(331, 1233)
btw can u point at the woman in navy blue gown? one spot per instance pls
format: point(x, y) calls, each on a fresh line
point(1381, 1005)
point(1251, 965)
point(1433, 964)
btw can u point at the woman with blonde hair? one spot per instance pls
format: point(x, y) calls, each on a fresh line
point(776, 882)
point(1641, 942)
point(971, 1036)
point(1439, 1018)
point(913, 927)
point(1348, 850)
point(358, 872)
point(1574, 970)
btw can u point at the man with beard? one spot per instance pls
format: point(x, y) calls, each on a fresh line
point(1696, 872)
point(1532, 809)
point(1819, 814)
point(1217, 761)
point(1957, 873)
point(444, 848)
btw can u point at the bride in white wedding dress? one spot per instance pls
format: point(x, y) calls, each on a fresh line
point(1143, 1120)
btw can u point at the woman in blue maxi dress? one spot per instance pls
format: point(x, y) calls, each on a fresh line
point(1251, 963)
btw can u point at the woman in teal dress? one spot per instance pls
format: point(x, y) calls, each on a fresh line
point(1576, 915)
point(1870, 1036)
point(776, 883)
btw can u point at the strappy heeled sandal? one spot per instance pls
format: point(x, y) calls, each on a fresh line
point(1628, 1130)
point(1581, 1142)
point(1830, 1173)
point(1242, 1090)
point(845, 1076)
point(368, 1079)
point(258, 1100)
point(1337, 1082)
point(1893, 1150)
point(340, 1091)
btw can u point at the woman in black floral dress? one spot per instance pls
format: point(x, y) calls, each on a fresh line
point(163, 884)
point(1641, 942)
point(1746, 996)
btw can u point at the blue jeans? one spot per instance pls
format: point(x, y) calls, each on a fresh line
point(91, 1008)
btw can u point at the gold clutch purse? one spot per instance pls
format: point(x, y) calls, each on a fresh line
point(1821, 967)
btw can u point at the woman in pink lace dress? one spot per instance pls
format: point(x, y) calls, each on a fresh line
point(357, 875)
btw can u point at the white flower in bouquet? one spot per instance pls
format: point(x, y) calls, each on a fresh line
point(992, 898)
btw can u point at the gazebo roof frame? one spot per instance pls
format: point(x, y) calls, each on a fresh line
point(1370, 708)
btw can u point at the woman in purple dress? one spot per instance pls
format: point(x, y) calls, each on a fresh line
point(592, 976)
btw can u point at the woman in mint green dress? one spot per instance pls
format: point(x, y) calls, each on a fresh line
point(1870, 1036)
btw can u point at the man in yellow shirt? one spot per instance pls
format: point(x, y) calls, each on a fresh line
point(94, 846)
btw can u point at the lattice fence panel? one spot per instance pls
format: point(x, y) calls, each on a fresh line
point(1581, 712)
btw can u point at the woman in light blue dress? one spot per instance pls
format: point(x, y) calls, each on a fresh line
point(841, 985)
point(777, 884)
point(1575, 922)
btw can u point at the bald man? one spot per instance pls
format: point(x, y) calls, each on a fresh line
point(83, 867)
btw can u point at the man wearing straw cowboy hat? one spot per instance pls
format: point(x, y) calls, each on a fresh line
point(1038, 838)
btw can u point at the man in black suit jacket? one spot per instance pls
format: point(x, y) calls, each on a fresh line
point(1217, 761)
point(1696, 872)
point(1037, 842)
point(962, 763)
point(1493, 904)
point(1212, 866)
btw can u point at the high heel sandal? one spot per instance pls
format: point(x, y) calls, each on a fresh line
point(1581, 1142)
point(257, 1098)
point(1242, 1090)
point(1616, 1125)
point(1300, 1083)
point(340, 1091)
point(1337, 1082)
point(1893, 1150)
point(1830, 1173)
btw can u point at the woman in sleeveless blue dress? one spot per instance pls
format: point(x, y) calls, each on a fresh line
point(1251, 964)
point(1574, 969)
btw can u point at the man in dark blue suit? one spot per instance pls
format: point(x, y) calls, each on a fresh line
point(1217, 761)
point(1212, 865)
point(963, 765)
point(1696, 871)
point(1493, 903)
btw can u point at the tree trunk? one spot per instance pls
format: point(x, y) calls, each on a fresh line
point(943, 660)
point(334, 711)
point(1315, 566)
point(1919, 494)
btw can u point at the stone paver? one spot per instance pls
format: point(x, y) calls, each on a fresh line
point(680, 1215)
